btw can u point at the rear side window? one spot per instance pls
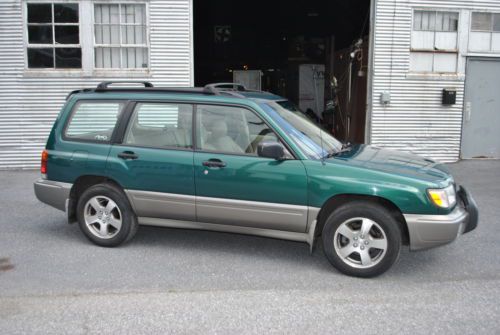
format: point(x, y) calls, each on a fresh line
point(93, 120)
point(161, 125)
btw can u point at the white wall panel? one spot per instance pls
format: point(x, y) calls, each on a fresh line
point(415, 120)
point(29, 103)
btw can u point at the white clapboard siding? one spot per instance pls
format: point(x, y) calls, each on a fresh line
point(30, 104)
point(415, 120)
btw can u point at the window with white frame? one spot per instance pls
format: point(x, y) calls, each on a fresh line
point(53, 36)
point(485, 32)
point(120, 35)
point(434, 41)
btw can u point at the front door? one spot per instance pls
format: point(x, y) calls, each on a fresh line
point(480, 135)
point(154, 162)
point(236, 187)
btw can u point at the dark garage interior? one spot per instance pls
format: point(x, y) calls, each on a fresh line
point(287, 47)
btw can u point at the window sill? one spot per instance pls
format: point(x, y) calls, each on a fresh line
point(78, 73)
point(435, 76)
point(136, 73)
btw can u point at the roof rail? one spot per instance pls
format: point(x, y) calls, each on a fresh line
point(226, 87)
point(105, 84)
point(78, 91)
point(231, 93)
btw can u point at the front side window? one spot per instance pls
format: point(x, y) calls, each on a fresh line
point(53, 36)
point(434, 46)
point(93, 121)
point(161, 125)
point(232, 130)
point(120, 35)
point(485, 32)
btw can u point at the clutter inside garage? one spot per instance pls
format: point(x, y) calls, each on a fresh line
point(314, 53)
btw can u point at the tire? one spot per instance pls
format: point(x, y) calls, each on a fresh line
point(105, 216)
point(354, 252)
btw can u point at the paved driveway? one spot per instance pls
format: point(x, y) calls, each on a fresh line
point(52, 280)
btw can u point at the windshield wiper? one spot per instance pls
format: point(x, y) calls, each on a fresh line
point(346, 147)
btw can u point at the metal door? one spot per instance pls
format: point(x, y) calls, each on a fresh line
point(481, 124)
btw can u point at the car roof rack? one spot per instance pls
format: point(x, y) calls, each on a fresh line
point(105, 84)
point(229, 89)
point(148, 87)
point(226, 87)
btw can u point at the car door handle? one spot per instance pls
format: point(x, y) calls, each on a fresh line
point(128, 155)
point(217, 163)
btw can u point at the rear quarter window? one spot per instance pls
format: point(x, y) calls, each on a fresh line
point(93, 120)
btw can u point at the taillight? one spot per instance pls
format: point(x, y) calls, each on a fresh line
point(43, 166)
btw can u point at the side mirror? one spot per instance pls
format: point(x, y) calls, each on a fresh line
point(274, 150)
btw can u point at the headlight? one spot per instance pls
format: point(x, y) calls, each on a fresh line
point(443, 197)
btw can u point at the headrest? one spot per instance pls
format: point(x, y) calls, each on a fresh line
point(219, 129)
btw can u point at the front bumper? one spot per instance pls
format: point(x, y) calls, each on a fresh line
point(52, 193)
point(428, 231)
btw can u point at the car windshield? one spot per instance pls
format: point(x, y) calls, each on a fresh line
point(311, 139)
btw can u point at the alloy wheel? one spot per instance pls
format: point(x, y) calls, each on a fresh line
point(360, 242)
point(102, 217)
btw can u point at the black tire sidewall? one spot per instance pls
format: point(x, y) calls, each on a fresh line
point(371, 211)
point(129, 221)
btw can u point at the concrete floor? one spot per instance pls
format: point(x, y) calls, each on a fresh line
point(52, 280)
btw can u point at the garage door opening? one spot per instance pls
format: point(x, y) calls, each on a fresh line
point(312, 52)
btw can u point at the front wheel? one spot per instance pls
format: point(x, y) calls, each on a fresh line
point(361, 239)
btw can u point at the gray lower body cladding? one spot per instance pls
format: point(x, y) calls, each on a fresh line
point(290, 222)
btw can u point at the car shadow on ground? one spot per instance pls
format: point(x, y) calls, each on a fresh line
point(246, 247)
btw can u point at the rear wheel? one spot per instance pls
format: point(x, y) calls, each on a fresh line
point(361, 239)
point(105, 215)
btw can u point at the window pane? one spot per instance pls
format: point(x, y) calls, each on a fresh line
point(68, 58)
point(446, 21)
point(66, 13)
point(417, 20)
point(445, 63)
point(134, 35)
point(439, 21)
point(40, 34)
point(41, 58)
point(231, 130)
point(432, 21)
point(39, 13)
point(107, 34)
point(67, 34)
point(107, 58)
point(428, 21)
point(161, 125)
point(94, 121)
point(452, 22)
point(106, 14)
point(480, 41)
point(133, 14)
point(481, 21)
point(134, 57)
point(496, 22)
point(421, 61)
point(140, 35)
point(129, 56)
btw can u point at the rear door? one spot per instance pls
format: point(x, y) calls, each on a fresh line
point(154, 161)
point(236, 187)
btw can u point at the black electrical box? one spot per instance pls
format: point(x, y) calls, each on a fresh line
point(449, 96)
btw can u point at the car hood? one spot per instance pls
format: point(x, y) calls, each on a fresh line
point(394, 162)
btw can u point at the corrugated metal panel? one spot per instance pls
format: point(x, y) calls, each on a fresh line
point(415, 120)
point(29, 105)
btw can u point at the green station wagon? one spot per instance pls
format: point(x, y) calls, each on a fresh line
point(228, 159)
